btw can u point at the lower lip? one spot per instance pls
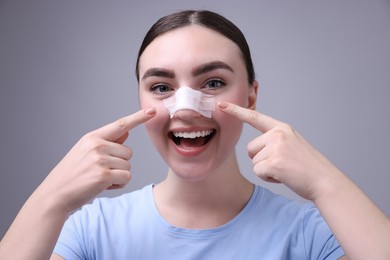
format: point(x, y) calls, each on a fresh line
point(190, 151)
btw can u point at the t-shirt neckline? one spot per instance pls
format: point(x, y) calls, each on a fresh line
point(200, 233)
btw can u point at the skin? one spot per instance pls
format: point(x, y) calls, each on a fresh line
point(97, 162)
point(205, 189)
point(198, 196)
point(205, 182)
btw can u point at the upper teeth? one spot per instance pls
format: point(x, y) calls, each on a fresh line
point(194, 134)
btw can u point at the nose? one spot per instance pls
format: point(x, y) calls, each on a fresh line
point(186, 114)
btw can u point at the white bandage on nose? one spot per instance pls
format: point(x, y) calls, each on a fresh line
point(188, 98)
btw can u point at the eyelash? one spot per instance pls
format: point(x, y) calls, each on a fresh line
point(156, 88)
point(221, 83)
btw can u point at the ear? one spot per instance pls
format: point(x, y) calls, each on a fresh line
point(252, 98)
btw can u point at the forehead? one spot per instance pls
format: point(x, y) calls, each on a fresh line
point(189, 46)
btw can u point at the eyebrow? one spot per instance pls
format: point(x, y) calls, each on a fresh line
point(202, 69)
point(158, 72)
point(210, 66)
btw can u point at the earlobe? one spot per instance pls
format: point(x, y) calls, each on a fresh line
point(252, 98)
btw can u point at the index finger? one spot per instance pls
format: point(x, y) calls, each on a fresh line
point(117, 129)
point(258, 120)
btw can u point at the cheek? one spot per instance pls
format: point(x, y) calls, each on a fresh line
point(147, 101)
point(156, 129)
point(230, 128)
point(228, 122)
point(239, 96)
point(155, 126)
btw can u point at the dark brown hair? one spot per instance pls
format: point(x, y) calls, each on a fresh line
point(204, 18)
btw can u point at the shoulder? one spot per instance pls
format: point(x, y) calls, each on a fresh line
point(297, 224)
point(274, 204)
point(111, 208)
point(284, 210)
point(102, 224)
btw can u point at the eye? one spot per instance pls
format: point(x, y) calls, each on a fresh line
point(160, 89)
point(215, 83)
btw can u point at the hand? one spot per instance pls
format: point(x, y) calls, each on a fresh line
point(282, 155)
point(99, 161)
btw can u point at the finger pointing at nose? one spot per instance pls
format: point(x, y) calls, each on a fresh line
point(258, 120)
point(116, 130)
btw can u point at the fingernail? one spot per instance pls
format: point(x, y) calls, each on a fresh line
point(150, 111)
point(222, 105)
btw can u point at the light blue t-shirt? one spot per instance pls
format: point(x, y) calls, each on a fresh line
point(130, 227)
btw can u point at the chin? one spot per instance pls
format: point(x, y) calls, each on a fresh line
point(191, 170)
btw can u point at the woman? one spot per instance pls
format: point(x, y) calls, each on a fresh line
point(205, 208)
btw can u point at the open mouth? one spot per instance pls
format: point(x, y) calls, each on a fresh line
point(192, 139)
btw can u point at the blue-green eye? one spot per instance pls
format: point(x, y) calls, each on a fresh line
point(160, 89)
point(215, 83)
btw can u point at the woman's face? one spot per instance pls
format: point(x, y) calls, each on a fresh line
point(206, 61)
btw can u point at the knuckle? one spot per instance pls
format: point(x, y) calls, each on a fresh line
point(250, 148)
point(128, 177)
point(268, 172)
point(102, 175)
point(275, 164)
point(253, 116)
point(89, 136)
point(251, 154)
point(127, 166)
point(129, 153)
point(283, 132)
point(120, 123)
point(261, 171)
point(102, 161)
point(279, 135)
point(91, 142)
point(287, 128)
point(105, 173)
point(257, 171)
point(233, 110)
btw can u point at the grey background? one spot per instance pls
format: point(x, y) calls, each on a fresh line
point(67, 67)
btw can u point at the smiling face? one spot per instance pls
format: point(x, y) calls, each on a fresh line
point(193, 145)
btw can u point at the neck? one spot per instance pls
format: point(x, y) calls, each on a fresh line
point(214, 200)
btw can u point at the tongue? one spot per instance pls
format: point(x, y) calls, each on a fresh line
point(192, 142)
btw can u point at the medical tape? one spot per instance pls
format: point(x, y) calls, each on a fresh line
point(188, 98)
